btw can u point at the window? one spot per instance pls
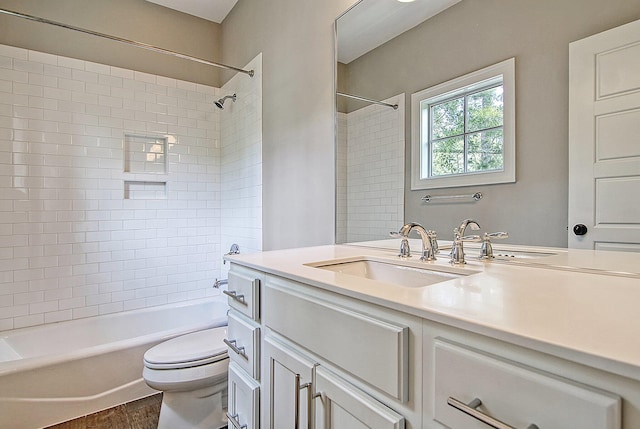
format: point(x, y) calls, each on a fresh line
point(463, 131)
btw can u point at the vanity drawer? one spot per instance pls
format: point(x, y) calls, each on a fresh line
point(514, 394)
point(375, 351)
point(244, 396)
point(243, 339)
point(243, 293)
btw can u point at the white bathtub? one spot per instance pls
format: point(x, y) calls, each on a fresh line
point(57, 372)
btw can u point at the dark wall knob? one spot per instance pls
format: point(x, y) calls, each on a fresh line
point(580, 229)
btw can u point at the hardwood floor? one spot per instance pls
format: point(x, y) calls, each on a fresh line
point(140, 414)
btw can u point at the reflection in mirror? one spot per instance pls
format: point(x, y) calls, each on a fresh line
point(370, 136)
point(462, 37)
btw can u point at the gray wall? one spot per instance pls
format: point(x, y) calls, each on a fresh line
point(130, 19)
point(296, 38)
point(474, 34)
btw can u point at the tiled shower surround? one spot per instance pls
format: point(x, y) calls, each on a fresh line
point(241, 155)
point(110, 189)
point(370, 172)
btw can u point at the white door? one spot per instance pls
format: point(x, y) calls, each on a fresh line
point(287, 397)
point(341, 405)
point(604, 140)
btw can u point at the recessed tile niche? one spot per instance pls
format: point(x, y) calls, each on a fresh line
point(145, 158)
point(145, 154)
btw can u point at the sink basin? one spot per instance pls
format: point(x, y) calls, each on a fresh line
point(389, 272)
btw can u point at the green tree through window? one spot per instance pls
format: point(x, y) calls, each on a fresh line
point(465, 132)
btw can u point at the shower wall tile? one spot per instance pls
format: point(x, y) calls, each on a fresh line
point(72, 244)
point(341, 178)
point(375, 171)
point(241, 154)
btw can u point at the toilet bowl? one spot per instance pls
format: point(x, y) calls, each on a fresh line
point(191, 371)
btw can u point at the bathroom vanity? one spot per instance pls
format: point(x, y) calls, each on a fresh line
point(352, 336)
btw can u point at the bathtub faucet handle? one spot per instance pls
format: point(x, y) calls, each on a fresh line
point(234, 250)
point(219, 283)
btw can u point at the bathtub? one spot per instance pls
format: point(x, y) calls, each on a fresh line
point(57, 372)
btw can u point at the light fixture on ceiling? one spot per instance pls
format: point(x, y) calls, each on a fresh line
point(406, 1)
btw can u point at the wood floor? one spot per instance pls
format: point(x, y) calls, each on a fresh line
point(140, 414)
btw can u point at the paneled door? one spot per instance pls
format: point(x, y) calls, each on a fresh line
point(287, 397)
point(604, 140)
point(340, 405)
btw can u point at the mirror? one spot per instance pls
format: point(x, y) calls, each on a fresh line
point(389, 57)
point(370, 138)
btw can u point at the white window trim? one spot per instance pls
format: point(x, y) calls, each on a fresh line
point(508, 175)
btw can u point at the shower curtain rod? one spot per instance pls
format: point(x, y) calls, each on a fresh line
point(125, 41)
point(368, 100)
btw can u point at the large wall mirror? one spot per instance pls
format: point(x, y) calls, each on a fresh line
point(370, 138)
point(388, 50)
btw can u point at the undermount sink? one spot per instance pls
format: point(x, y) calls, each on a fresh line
point(407, 275)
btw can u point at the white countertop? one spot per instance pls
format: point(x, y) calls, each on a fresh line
point(547, 304)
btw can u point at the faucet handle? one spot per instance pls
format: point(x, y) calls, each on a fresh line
point(486, 251)
point(471, 238)
point(496, 235)
point(405, 250)
point(433, 240)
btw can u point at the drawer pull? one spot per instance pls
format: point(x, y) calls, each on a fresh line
point(298, 388)
point(234, 295)
point(235, 421)
point(470, 410)
point(238, 350)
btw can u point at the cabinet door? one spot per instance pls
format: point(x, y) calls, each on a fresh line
point(341, 405)
point(243, 399)
point(287, 387)
point(513, 393)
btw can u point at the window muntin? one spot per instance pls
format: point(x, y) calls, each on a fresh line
point(463, 130)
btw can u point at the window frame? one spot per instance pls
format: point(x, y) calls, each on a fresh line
point(448, 90)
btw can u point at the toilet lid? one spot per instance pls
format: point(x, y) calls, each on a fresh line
point(196, 348)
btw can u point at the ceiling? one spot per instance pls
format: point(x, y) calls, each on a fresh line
point(212, 10)
point(373, 22)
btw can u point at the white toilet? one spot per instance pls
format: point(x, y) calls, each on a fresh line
point(191, 371)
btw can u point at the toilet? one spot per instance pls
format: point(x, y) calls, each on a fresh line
point(191, 371)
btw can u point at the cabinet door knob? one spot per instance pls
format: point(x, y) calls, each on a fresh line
point(580, 229)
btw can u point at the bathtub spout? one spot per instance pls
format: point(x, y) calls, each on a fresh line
point(219, 283)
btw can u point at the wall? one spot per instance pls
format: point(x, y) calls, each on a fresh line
point(130, 19)
point(297, 42)
point(241, 169)
point(470, 36)
point(370, 165)
point(88, 225)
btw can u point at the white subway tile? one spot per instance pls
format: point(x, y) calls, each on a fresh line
point(84, 76)
point(71, 161)
point(97, 68)
point(41, 57)
point(58, 316)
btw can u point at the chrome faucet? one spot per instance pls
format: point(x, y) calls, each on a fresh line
point(486, 251)
point(457, 250)
point(427, 237)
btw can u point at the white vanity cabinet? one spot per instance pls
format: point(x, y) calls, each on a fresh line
point(289, 374)
point(342, 406)
point(330, 361)
point(244, 343)
point(345, 364)
point(472, 381)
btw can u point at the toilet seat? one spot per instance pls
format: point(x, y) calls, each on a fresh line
point(187, 351)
